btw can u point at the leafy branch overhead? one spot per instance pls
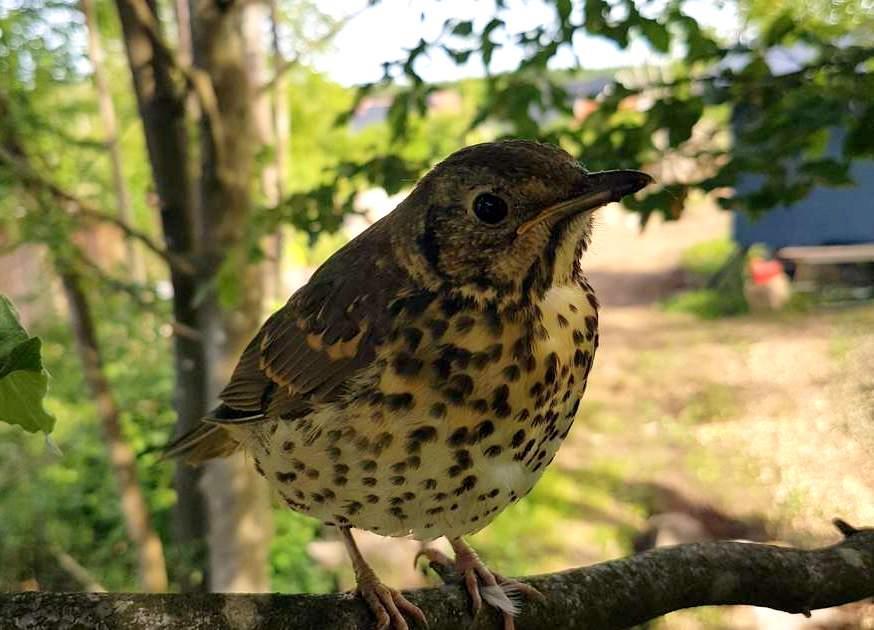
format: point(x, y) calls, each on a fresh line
point(23, 379)
point(784, 112)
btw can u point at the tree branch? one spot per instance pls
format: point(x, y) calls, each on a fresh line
point(144, 297)
point(607, 596)
point(89, 212)
point(69, 564)
point(288, 64)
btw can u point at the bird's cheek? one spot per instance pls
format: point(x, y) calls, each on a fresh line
point(526, 249)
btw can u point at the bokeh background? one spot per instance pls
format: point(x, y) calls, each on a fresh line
point(152, 219)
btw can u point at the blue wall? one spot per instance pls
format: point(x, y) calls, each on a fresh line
point(829, 216)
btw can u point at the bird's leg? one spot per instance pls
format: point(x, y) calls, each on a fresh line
point(480, 582)
point(385, 603)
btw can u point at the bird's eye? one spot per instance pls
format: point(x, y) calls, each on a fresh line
point(490, 208)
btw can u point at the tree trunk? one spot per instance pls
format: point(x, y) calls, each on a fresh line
point(162, 109)
point(238, 500)
point(150, 553)
point(110, 130)
point(280, 133)
point(204, 224)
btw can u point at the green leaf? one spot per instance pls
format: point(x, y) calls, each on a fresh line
point(458, 56)
point(24, 356)
point(860, 139)
point(12, 333)
point(21, 395)
point(657, 34)
point(463, 28)
point(779, 28)
point(828, 172)
point(23, 380)
point(563, 9)
point(487, 46)
point(682, 118)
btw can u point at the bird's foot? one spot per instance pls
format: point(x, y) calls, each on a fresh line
point(388, 604)
point(482, 583)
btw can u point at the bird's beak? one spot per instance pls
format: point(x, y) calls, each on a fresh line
point(601, 188)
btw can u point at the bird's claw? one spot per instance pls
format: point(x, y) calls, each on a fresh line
point(388, 605)
point(481, 583)
point(434, 556)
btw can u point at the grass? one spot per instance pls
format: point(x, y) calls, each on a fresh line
point(701, 263)
point(570, 513)
point(707, 303)
point(708, 257)
point(713, 402)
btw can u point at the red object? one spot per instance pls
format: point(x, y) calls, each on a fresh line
point(763, 271)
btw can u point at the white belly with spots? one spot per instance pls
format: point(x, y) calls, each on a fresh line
point(444, 463)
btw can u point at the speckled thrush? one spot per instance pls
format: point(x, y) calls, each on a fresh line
point(425, 376)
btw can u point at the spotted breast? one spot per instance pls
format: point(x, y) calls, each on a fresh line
point(462, 410)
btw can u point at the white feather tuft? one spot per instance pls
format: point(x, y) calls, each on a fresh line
point(503, 597)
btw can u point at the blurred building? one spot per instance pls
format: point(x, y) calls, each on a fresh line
point(827, 216)
point(374, 109)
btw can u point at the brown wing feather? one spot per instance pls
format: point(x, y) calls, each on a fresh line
point(205, 441)
point(326, 333)
point(247, 385)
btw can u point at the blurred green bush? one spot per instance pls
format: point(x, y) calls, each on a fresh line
point(715, 271)
point(68, 504)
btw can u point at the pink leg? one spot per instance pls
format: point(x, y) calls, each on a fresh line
point(385, 603)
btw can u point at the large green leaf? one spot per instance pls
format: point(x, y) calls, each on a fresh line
point(23, 380)
point(11, 331)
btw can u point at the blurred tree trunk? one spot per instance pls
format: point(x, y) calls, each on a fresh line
point(110, 130)
point(205, 223)
point(267, 105)
point(162, 109)
point(280, 135)
point(150, 552)
point(238, 500)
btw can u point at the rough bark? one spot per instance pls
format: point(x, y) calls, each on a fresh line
point(122, 459)
point(110, 129)
point(608, 596)
point(238, 500)
point(162, 109)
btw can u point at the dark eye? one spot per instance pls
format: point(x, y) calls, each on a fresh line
point(490, 208)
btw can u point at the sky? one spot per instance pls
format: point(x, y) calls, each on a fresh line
point(382, 33)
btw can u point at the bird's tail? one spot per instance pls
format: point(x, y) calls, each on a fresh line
point(203, 442)
point(209, 438)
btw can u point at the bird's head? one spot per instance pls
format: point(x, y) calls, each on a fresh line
point(505, 217)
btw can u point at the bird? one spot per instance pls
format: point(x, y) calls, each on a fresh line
point(424, 378)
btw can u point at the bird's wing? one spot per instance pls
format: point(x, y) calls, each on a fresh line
point(326, 332)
